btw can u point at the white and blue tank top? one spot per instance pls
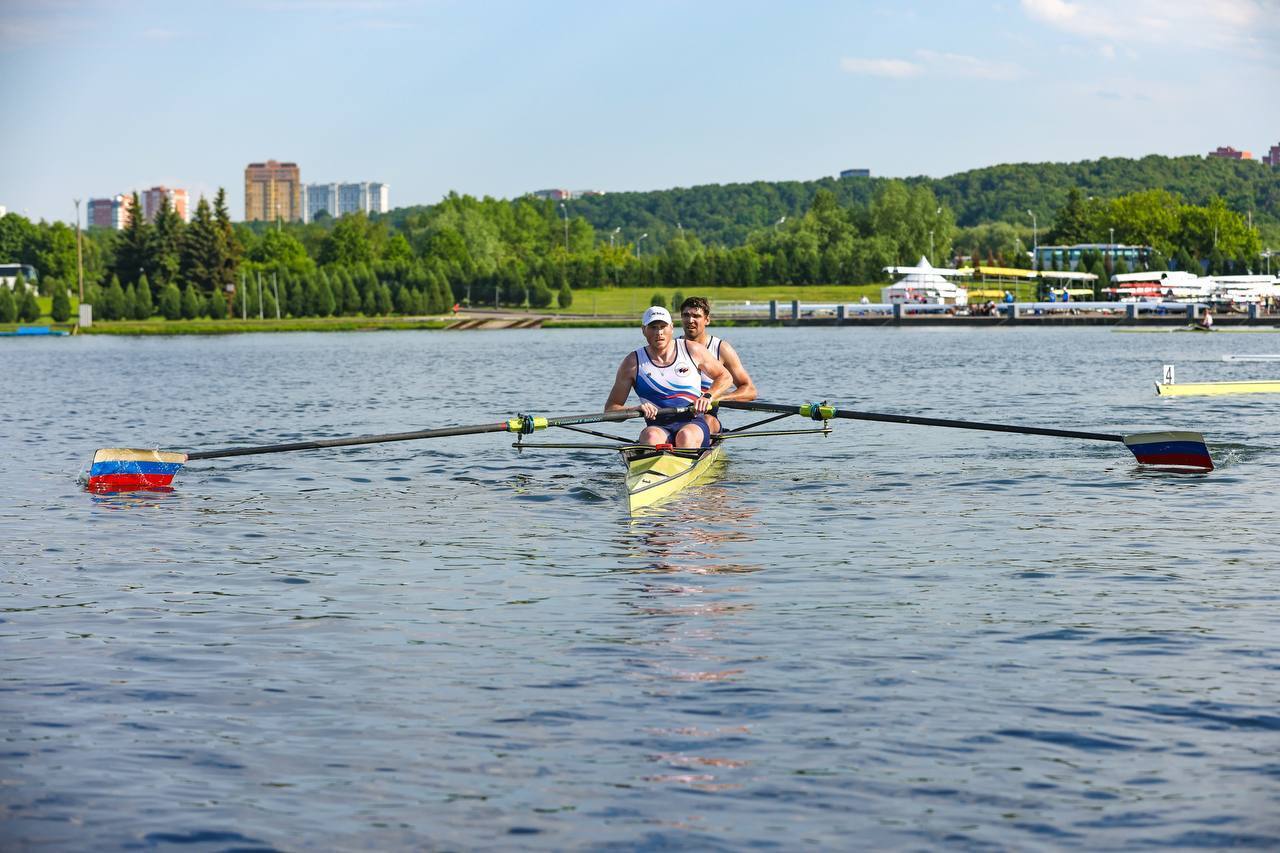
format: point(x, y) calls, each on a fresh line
point(713, 347)
point(671, 386)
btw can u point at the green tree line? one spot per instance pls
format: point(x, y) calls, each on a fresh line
point(534, 253)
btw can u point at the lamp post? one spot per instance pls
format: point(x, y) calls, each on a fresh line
point(565, 211)
point(680, 228)
point(614, 234)
point(638, 239)
point(1111, 250)
point(1035, 241)
point(779, 222)
point(79, 253)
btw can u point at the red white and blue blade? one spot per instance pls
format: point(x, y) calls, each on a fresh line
point(1170, 449)
point(121, 469)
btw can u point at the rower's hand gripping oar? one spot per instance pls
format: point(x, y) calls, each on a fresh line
point(1173, 448)
point(121, 469)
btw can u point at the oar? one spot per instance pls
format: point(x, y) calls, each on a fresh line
point(1172, 448)
point(119, 469)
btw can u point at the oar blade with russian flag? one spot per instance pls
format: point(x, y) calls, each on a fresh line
point(1173, 449)
point(124, 469)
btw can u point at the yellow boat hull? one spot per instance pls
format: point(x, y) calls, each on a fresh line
point(654, 476)
point(1189, 389)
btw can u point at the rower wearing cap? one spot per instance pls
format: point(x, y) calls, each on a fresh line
point(695, 316)
point(667, 374)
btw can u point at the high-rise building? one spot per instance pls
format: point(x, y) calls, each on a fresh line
point(1229, 153)
point(855, 173)
point(177, 200)
point(1272, 158)
point(272, 190)
point(110, 212)
point(341, 199)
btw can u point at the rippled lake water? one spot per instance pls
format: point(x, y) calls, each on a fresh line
point(894, 637)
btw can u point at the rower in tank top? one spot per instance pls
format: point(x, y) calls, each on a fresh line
point(695, 316)
point(666, 373)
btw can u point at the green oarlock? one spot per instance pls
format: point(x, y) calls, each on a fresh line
point(526, 424)
point(818, 411)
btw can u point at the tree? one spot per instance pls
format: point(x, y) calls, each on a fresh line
point(166, 243)
point(201, 259)
point(565, 297)
point(28, 307)
point(113, 304)
point(143, 307)
point(134, 245)
point(8, 310)
point(229, 249)
point(61, 310)
point(348, 243)
point(658, 299)
point(191, 303)
point(215, 306)
point(171, 302)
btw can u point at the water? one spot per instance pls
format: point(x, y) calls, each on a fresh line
point(912, 637)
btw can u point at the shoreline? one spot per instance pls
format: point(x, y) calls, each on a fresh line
point(495, 320)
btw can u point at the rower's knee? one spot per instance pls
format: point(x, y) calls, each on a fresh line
point(653, 436)
point(689, 436)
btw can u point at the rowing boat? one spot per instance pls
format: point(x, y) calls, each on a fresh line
point(655, 474)
point(1200, 389)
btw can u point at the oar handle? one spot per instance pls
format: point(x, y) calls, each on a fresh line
point(922, 421)
point(512, 425)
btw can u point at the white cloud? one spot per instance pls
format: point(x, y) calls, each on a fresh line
point(1194, 24)
point(960, 65)
point(899, 68)
point(933, 63)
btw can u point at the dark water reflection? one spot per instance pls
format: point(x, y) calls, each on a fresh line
point(914, 638)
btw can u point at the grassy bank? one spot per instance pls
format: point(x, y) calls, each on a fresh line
point(622, 302)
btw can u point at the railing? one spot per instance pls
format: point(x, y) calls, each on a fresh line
point(796, 310)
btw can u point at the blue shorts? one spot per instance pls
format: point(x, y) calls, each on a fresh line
point(673, 427)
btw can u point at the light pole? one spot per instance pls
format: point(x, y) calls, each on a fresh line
point(1111, 250)
point(79, 253)
point(1035, 241)
point(565, 211)
point(779, 222)
point(638, 239)
point(614, 234)
point(681, 229)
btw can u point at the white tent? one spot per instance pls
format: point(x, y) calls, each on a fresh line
point(925, 283)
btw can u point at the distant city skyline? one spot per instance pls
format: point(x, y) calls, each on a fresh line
point(431, 98)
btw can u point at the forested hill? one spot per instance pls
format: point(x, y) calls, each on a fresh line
point(726, 214)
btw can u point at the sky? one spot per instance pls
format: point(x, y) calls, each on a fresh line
point(501, 98)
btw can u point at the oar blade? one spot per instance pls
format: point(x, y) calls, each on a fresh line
point(1170, 449)
point(123, 469)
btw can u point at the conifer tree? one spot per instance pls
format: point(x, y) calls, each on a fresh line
point(113, 301)
point(130, 304)
point(201, 258)
point(171, 302)
point(61, 309)
point(369, 305)
point(166, 243)
point(8, 310)
point(143, 307)
point(565, 298)
point(384, 300)
point(229, 248)
point(192, 305)
point(216, 306)
point(325, 304)
point(28, 308)
point(134, 245)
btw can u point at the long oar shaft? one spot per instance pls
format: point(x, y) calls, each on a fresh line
point(921, 421)
point(513, 425)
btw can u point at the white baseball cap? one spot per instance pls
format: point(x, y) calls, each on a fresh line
point(654, 314)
